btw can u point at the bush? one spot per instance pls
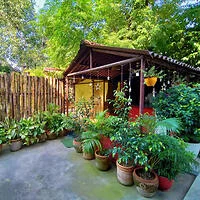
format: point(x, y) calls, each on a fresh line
point(182, 102)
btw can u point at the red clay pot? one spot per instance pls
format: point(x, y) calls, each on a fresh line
point(164, 183)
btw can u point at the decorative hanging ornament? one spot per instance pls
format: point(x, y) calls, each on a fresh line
point(108, 77)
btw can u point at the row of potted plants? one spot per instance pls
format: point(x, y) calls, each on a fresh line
point(44, 125)
point(144, 150)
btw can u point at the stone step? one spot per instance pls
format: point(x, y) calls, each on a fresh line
point(194, 191)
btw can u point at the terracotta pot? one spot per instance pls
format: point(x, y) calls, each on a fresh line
point(42, 137)
point(51, 136)
point(164, 183)
point(151, 81)
point(15, 145)
point(124, 174)
point(102, 162)
point(146, 188)
point(88, 156)
point(1, 147)
point(77, 145)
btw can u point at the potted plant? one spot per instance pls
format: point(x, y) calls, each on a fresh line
point(182, 102)
point(151, 76)
point(102, 159)
point(172, 160)
point(123, 146)
point(2, 136)
point(31, 130)
point(90, 144)
point(145, 178)
point(80, 118)
point(148, 124)
point(13, 134)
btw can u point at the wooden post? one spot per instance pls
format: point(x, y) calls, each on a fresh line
point(141, 104)
point(90, 58)
point(66, 95)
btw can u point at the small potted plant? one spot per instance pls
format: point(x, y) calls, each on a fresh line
point(13, 134)
point(151, 76)
point(91, 143)
point(2, 136)
point(102, 159)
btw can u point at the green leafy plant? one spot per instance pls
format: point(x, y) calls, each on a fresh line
point(152, 72)
point(182, 102)
point(91, 142)
point(124, 138)
point(12, 129)
point(148, 124)
point(30, 129)
point(2, 134)
point(121, 103)
point(173, 158)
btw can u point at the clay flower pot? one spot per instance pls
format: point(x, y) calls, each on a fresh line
point(124, 174)
point(77, 145)
point(102, 162)
point(15, 145)
point(164, 183)
point(88, 156)
point(146, 187)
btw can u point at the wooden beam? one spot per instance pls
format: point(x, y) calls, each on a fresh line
point(117, 53)
point(105, 66)
point(141, 104)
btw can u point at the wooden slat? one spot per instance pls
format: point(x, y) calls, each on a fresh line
point(22, 95)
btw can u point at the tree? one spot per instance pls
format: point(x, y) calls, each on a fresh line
point(20, 42)
point(163, 26)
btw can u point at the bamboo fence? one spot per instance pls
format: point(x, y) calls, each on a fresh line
point(23, 95)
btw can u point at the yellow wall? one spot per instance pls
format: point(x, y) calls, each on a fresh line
point(85, 88)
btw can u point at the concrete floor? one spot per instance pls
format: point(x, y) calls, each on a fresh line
point(50, 171)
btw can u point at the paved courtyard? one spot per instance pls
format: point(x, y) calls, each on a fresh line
point(50, 171)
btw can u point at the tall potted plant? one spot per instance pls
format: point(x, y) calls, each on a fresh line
point(172, 160)
point(123, 146)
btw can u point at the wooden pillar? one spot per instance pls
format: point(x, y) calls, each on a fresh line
point(66, 95)
point(90, 58)
point(141, 103)
point(104, 95)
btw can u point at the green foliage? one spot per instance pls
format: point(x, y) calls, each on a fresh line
point(2, 134)
point(166, 27)
point(174, 158)
point(83, 108)
point(91, 141)
point(12, 129)
point(5, 69)
point(152, 72)
point(124, 139)
point(55, 122)
point(121, 103)
point(30, 129)
point(20, 40)
point(148, 124)
point(182, 102)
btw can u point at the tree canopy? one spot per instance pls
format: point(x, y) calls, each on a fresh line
point(168, 27)
point(20, 41)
